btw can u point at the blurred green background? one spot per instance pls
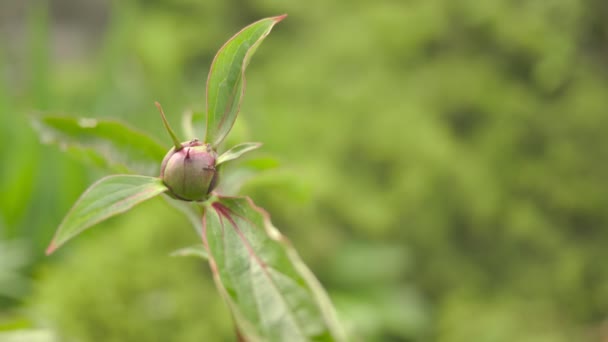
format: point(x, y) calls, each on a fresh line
point(444, 164)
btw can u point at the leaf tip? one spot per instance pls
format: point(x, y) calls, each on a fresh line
point(278, 18)
point(52, 248)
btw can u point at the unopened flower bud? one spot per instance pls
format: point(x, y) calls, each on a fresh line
point(190, 172)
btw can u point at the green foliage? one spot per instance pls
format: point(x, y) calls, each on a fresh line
point(13, 257)
point(191, 120)
point(126, 273)
point(272, 293)
point(226, 82)
point(453, 148)
point(284, 300)
point(107, 197)
point(109, 144)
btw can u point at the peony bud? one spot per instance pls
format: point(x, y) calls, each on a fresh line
point(190, 172)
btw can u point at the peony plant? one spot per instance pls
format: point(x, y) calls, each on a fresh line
point(272, 294)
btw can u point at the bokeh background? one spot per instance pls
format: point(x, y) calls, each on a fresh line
point(443, 164)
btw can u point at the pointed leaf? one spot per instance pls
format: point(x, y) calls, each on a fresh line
point(107, 197)
point(120, 146)
point(176, 142)
point(226, 81)
point(237, 151)
point(195, 251)
point(272, 294)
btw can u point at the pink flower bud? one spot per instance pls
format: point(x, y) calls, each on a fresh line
point(190, 172)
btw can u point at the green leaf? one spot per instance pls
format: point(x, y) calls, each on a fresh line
point(195, 251)
point(120, 146)
point(226, 81)
point(237, 151)
point(271, 292)
point(107, 197)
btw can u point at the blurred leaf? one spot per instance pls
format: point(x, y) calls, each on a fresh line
point(39, 45)
point(284, 184)
point(92, 157)
point(190, 120)
point(14, 322)
point(20, 167)
point(226, 82)
point(13, 258)
point(195, 251)
point(385, 263)
point(107, 197)
point(118, 144)
point(271, 292)
point(400, 311)
point(237, 151)
point(190, 209)
point(233, 179)
point(29, 335)
point(261, 164)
